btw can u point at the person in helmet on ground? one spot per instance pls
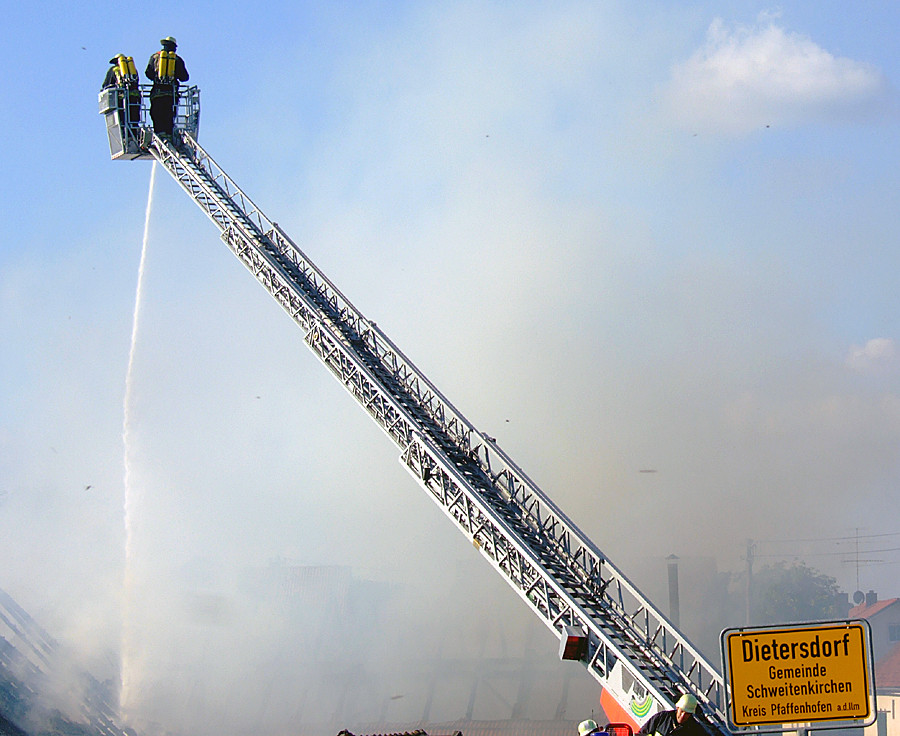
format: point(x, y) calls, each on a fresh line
point(589, 728)
point(678, 722)
point(165, 69)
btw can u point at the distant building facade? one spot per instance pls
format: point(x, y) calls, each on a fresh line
point(884, 620)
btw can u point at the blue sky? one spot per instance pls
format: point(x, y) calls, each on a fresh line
point(618, 236)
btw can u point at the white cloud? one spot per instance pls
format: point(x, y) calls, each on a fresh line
point(745, 78)
point(876, 355)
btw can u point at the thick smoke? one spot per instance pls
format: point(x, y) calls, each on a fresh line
point(510, 195)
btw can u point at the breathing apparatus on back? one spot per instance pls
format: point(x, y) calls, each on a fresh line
point(165, 66)
point(165, 61)
point(126, 72)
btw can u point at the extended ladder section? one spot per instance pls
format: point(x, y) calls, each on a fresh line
point(631, 648)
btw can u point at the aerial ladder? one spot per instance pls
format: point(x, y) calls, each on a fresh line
point(641, 660)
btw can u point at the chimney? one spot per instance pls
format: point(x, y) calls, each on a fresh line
point(871, 598)
point(842, 605)
point(674, 606)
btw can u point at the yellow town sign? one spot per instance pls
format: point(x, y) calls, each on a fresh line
point(792, 674)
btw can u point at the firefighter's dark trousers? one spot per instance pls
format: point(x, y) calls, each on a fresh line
point(162, 112)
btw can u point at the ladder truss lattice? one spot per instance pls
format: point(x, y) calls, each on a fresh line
point(633, 650)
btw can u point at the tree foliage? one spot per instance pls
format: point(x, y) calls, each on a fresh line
point(786, 594)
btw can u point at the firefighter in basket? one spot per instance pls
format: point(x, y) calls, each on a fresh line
point(166, 70)
point(123, 75)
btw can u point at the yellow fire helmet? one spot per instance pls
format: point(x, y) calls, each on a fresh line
point(687, 703)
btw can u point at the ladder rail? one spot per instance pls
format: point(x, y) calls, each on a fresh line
point(464, 470)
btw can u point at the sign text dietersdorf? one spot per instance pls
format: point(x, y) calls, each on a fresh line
point(799, 673)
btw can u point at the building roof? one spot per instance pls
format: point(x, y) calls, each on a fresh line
point(887, 669)
point(479, 728)
point(867, 612)
point(507, 727)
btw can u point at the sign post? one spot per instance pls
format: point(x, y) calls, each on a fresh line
point(804, 673)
